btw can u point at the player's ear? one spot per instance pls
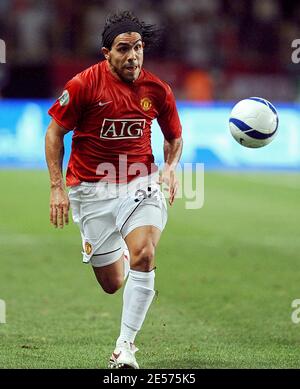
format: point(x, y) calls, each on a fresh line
point(143, 44)
point(105, 52)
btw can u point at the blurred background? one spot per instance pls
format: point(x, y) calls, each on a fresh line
point(210, 50)
point(213, 53)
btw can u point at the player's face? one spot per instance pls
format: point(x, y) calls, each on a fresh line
point(126, 56)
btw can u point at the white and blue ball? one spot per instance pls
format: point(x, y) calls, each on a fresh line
point(253, 122)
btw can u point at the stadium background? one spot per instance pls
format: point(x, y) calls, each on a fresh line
point(227, 273)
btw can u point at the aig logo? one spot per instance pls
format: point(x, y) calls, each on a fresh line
point(122, 128)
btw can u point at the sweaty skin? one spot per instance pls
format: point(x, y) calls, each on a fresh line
point(126, 56)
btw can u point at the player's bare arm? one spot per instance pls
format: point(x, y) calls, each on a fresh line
point(59, 202)
point(172, 154)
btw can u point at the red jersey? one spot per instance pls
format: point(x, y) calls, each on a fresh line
point(112, 120)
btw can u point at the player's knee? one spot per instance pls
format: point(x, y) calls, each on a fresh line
point(142, 257)
point(111, 286)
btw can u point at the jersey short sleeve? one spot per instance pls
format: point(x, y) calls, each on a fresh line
point(168, 118)
point(67, 109)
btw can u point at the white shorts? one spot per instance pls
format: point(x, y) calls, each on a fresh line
point(106, 213)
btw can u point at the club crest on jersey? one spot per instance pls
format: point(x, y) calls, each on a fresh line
point(146, 103)
point(122, 128)
point(64, 98)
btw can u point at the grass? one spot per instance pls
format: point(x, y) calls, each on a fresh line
point(226, 277)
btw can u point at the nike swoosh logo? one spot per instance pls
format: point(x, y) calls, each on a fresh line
point(116, 356)
point(101, 104)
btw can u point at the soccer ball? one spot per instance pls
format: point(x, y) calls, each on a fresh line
point(253, 122)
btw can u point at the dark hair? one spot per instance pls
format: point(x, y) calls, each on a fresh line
point(149, 32)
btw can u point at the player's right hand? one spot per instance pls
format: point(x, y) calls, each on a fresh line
point(59, 207)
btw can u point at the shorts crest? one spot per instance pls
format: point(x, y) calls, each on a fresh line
point(88, 248)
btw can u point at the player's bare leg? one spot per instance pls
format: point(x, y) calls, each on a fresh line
point(111, 277)
point(141, 243)
point(138, 293)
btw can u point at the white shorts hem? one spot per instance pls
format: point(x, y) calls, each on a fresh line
point(104, 264)
point(105, 260)
point(132, 227)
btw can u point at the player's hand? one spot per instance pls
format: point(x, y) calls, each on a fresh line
point(167, 176)
point(59, 207)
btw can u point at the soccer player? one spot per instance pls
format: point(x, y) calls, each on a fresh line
point(115, 192)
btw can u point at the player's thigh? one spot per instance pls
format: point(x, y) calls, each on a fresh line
point(102, 242)
point(142, 228)
point(142, 242)
point(142, 237)
point(108, 262)
point(111, 277)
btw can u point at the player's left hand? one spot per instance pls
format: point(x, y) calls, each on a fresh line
point(167, 176)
